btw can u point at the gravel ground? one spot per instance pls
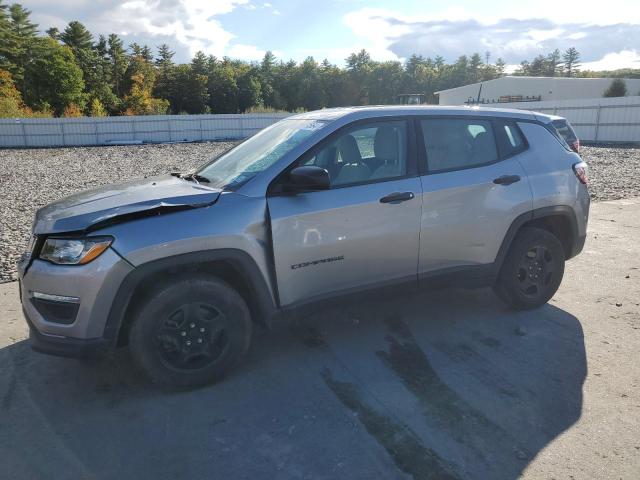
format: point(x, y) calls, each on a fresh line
point(32, 178)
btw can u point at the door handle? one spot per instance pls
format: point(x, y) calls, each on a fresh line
point(397, 197)
point(507, 179)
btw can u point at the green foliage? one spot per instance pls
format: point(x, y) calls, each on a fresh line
point(53, 77)
point(552, 65)
point(620, 73)
point(139, 100)
point(118, 62)
point(223, 89)
point(571, 62)
point(70, 73)
point(10, 99)
point(76, 36)
point(96, 109)
point(18, 35)
point(11, 105)
point(186, 90)
point(617, 89)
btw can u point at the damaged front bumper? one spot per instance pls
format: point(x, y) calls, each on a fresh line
point(67, 306)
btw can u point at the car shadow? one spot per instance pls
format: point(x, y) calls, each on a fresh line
point(450, 384)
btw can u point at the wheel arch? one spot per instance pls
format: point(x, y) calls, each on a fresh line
point(560, 220)
point(233, 266)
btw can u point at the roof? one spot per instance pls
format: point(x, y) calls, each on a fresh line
point(355, 113)
point(522, 77)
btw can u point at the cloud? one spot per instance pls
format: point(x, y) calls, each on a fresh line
point(187, 25)
point(246, 52)
point(613, 61)
point(192, 23)
point(513, 39)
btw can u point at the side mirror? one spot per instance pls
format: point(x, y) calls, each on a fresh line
point(309, 178)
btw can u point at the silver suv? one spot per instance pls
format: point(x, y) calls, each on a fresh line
point(320, 205)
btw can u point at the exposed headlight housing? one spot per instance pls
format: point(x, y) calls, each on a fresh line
point(73, 251)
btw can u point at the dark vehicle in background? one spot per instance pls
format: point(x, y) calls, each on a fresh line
point(566, 131)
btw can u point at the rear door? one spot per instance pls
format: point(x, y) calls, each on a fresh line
point(473, 188)
point(363, 231)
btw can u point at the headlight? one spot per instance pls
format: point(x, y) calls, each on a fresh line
point(74, 251)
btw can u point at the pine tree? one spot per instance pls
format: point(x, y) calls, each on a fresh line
point(4, 37)
point(77, 37)
point(571, 62)
point(146, 54)
point(524, 69)
point(553, 64)
point(17, 47)
point(165, 67)
point(165, 55)
point(118, 61)
point(266, 75)
point(412, 64)
point(102, 89)
point(136, 49)
point(474, 68)
point(53, 32)
point(538, 67)
point(199, 64)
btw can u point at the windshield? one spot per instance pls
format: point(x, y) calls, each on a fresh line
point(239, 165)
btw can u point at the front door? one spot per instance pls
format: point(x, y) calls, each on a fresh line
point(363, 231)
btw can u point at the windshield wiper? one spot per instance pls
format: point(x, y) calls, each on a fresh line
point(192, 177)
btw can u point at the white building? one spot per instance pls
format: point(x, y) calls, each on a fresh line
point(522, 89)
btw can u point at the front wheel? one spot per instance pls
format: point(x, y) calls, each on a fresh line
point(532, 271)
point(190, 333)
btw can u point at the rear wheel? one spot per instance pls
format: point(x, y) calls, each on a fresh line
point(532, 271)
point(190, 332)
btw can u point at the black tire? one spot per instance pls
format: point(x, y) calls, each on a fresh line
point(532, 271)
point(190, 332)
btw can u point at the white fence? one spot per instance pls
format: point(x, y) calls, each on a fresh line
point(60, 132)
point(615, 120)
point(594, 119)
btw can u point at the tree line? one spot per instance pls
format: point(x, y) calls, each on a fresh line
point(72, 73)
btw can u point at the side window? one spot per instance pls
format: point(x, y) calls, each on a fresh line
point(364, 153)
point(453, 143)
point(510, 139)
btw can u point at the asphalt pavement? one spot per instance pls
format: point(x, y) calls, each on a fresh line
point(449, 384)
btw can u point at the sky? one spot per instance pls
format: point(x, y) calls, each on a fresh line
point(607, 34)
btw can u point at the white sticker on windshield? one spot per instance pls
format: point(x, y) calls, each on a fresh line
point(313, 125)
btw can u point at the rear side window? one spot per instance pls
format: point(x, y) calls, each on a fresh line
point(454, 144)
point(510, 139)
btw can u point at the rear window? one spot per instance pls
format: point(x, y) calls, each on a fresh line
point(565, 131)
point(453, 144)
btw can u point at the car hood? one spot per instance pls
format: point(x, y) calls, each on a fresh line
point(92, 209)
